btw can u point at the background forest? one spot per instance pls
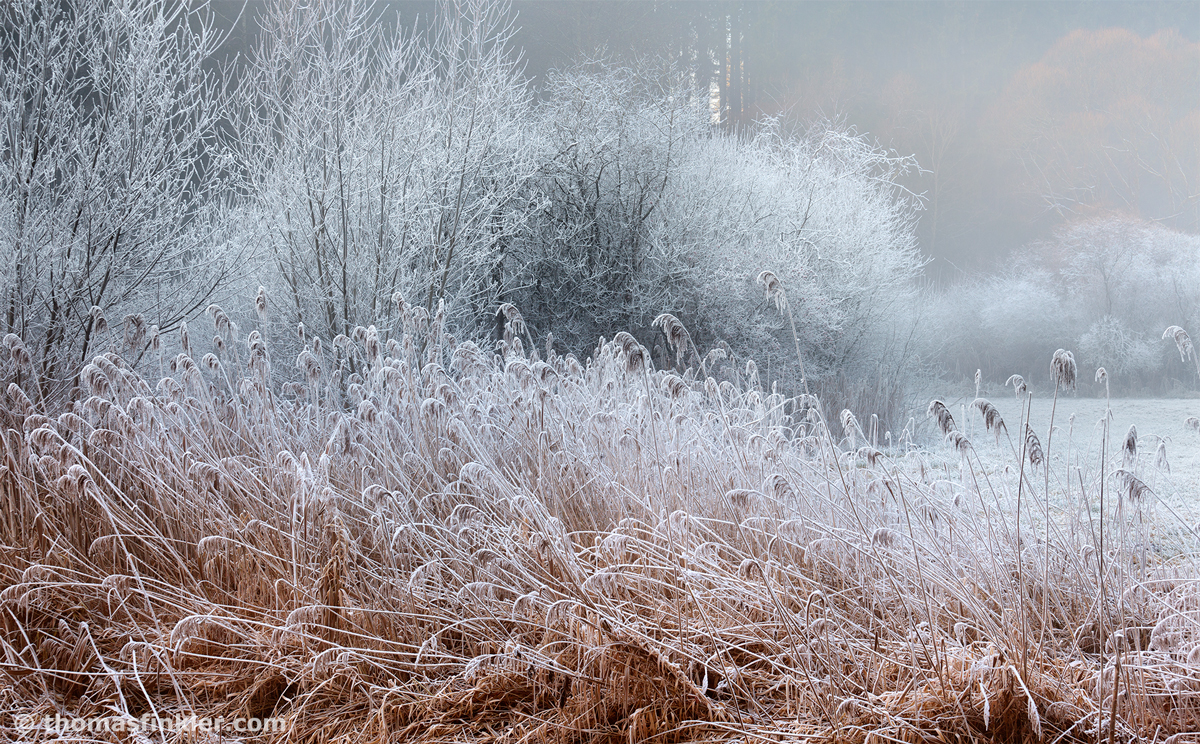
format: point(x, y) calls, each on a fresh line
point(596, 164)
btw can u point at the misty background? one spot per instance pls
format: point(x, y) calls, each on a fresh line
point(969, 88)
point(940, 186)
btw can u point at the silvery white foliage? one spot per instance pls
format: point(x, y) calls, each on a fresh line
point(649, 209)
point(1138, 271)
point(1010, 322)
point(1014, 309)
point(824, 212)
point(1125, 352)
point(108, 171)
point(382, 163)
point(615, 140)
point(1129, 280)
point(1106, 286)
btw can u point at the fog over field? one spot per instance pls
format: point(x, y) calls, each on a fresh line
point(602, 371)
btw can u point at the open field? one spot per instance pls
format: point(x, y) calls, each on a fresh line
point(447, 546)
point(1079, 423)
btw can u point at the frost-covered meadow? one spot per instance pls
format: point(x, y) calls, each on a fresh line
point(1078, 421)
point(504, 544)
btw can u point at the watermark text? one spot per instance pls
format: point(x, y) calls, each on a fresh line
point(60, 724)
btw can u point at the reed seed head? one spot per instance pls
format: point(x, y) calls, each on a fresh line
point(99, 322)
point(1160, 457)
point(260, 303)
point(1033, 447)
point(941, 414)
point(1183, 342)
point(514, 322)
point(1018, 383)
point(678, 337)
point(1129, 447)
point(1062, 369)
point(774, 289)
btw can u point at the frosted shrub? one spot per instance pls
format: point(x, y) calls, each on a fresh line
point(109, 178)
point(1127, 353)
point(1108, 286)
point(380, 164)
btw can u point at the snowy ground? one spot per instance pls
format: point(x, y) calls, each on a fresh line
point(1078, 424)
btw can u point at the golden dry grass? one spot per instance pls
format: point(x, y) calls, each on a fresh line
point(447, 546)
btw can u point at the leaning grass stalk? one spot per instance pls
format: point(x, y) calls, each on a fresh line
point(776, 292)
point(1020, 552)
point(1112, 716)
point(920, 578)
point(658, 463)
point(1046, 499)
point(830, 717)
point(1102, 614)
point(708, 625)
point(799, 357)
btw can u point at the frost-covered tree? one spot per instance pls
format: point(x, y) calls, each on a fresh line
point(1105, 286)
point(823, 211)
point(107, 175)
point(616, 141)
point(1125, 353)
point(1129, 279)
point(651, 209)
point(1001, 324)
point(382, 164)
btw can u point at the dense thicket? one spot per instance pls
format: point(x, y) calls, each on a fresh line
point(111, 196)
point(366, 165)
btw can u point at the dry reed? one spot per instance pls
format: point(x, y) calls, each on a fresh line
point(483, 547)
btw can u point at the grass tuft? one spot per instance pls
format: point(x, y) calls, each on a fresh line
point(425, 541)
